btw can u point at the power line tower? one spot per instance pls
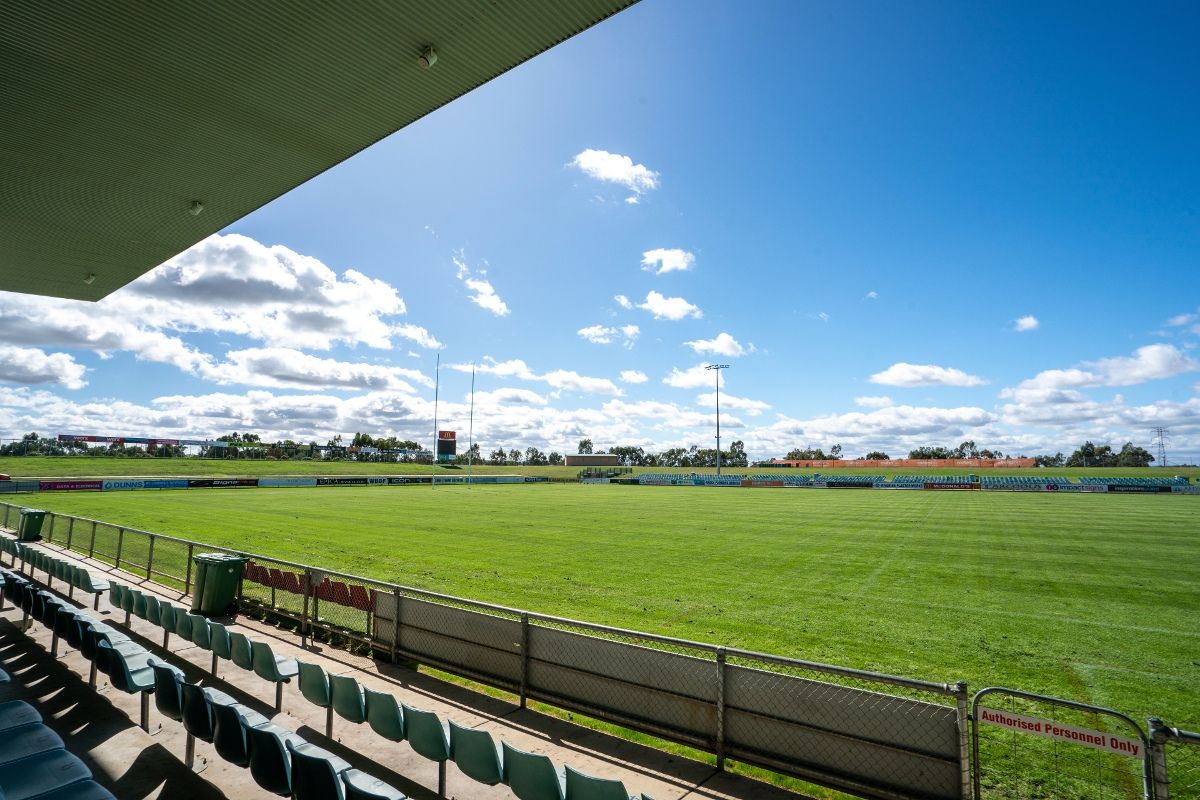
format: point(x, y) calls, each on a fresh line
point(1160, 439)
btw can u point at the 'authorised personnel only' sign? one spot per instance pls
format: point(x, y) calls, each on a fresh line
point(1066, 733)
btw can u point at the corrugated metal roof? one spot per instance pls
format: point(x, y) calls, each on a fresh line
point(116, 116)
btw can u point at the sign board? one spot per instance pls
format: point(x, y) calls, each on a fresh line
point(1065, 733)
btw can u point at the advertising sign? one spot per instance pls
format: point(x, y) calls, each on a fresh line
point(70, 486)
point(280, 483)
point(221, 483)
point(341, 481)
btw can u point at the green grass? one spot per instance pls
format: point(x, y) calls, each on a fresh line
point(1089, 597)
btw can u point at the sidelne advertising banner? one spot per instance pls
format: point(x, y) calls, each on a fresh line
point(70, 486)
point(280, 483)
point(221, 483)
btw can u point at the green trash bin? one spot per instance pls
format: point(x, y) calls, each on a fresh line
point(30, 526)
point(217, 577)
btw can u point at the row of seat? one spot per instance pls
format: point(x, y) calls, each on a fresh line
point(1001, 481)
point(1177, 480)
point(474, 752)
point(330, 591)
point(280, 761)
point(37, 559)
point(214, 637)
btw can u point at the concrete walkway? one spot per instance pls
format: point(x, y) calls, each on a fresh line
point(102, 728)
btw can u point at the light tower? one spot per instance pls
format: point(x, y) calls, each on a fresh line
point(716, 368)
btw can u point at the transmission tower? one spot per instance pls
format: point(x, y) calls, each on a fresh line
point(1160, 439)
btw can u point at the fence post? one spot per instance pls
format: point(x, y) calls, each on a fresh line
point(150, 560)
point(120, 544)
point(396, 624)
point(964, 738)
point(187, 580)
point(1159, 734)
point(70, 531)
point(304, 611)
point(50, 527)
point(524, 657)
point(92, 543)
point(721, 708)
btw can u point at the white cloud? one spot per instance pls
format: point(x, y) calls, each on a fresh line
point(872, 295)
point(903, 374)
point(1181, 319)
point(1026, 323)
point(722, 345)
point(561, 379)
point(285, 367)
point(29, 365)
point(823, 316)
point(1152, 362)
point(509, 396)
point(662, 260)
point(696, 377)
point(873, 401)
point(623, 301)
point(672, 308)
point(419, 335)
point(633, 376)
point(752, 408)
point(484, 293)
point(669, 415)
point(616, 168)
point(602, 334)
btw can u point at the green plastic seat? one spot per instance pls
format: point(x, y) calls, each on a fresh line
point(314, 686)
point(130, 672)
point(270, 667)
point(581, 786)
point(239, 649)
point(383, 715)
point(166, 619)
point(201, 632)
point(316, 773)
point(347, 698)
point(531, 776)
point(220, 645)
point(153, 611)
point(361, 786)
point(142, 609)
point(183, 625)
point(476, 755)
point(429, 739)
point(229, 731)
point(270, 759)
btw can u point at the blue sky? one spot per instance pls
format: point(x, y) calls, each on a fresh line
point(900, 225)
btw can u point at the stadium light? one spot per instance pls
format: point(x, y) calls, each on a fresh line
point(716, 368)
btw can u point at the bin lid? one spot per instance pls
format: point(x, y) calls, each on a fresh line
point(32, 511)
point(220, 558)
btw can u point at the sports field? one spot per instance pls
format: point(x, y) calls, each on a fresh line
point(1090, 597)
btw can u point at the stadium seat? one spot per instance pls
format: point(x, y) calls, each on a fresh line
point(79, 790)
point(341, 594)
point(292, 583)
point(16, 713)
point(201, 633)
point(531, 776)
point(277, 579)
point(316, 773)
point(476, 755)
point(154, 611)
point(361, 786)
point(41, 775)
point(429, 738)
point(360, 599)
point(183, 625)
point(166, 619)
point(229, 731)
point(585, 787)
point(129, 672)
point(25, 741)
point(220, 644)
point(314, 686)
point(270, 667)
point(168, 689)
point(347, 698)
point(270, 759)
point(198, 718)
point(383, 715)
point(239, 650)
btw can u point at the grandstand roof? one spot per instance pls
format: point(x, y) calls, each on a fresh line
point(131, 131)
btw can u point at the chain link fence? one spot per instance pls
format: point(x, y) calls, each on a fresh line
point(1175, 762)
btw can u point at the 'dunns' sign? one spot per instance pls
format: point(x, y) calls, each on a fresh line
point(1066, 733)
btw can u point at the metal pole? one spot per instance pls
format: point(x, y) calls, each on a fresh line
point(437, 378)
point(964, 736)
point(120, 543)
point(150, 560)
point(187, 581)
point(70, 531)
point(471, 432)
point(524, 658)
point(721, 709)
point(92, 543)
point(396, 624)
point(716, 368)
point(304, 613)
point(1159, 734)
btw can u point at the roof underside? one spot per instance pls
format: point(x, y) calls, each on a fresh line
point(116, 117)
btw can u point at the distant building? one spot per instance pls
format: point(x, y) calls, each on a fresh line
point(593, 460)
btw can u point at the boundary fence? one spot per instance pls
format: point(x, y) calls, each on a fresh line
point(869, 734)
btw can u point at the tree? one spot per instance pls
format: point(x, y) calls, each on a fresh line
point(514, 456)
point(585, 447)
point(736, 457)
point(630, 456)
point(931, 452)
point(469, 456)
point(1131, 456)
point(807, 454)
point(835, 452)
point(967, 450)
point(1089, 455)
point(877, 455)
point(555, 459)
point(497, 456)
point(534, 457)
point(1056, 460)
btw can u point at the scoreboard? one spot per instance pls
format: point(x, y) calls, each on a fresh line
point(447, 445)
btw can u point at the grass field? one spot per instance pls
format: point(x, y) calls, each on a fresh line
point(1090, 597)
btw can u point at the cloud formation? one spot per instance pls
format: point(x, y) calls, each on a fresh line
point(1026, 323)
point(904, 374)
point(30, 366)
point(633, 376)
point(721, 345)
point(697, 377)
point(616, 168)
point(672, 308)
point(484, 293)
point(663, 260)
point(603, 334)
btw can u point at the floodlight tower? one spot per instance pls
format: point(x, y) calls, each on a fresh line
point(716, 368)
